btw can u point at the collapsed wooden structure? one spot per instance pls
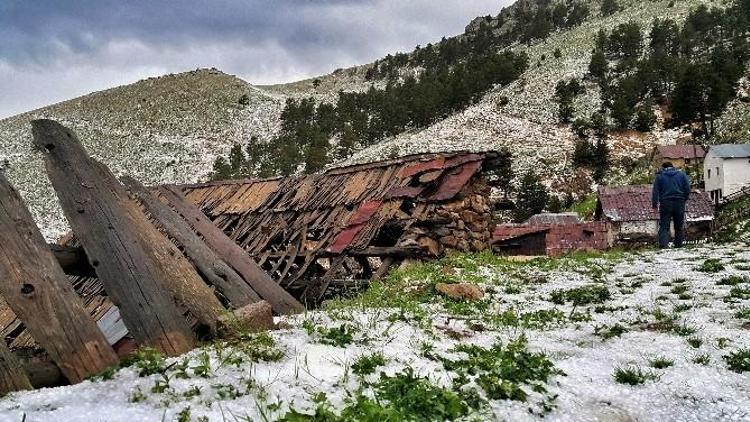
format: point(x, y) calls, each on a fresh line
point(346, 225)
point(160, 266)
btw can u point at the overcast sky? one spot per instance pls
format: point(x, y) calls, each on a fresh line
point(53, 50)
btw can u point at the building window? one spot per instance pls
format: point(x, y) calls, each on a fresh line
point(709, 173)
point(717, 171)
point(687, 161)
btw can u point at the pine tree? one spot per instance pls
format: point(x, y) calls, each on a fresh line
point(609, 7)
point(598, 66)
point(221, 170)
point(531, 198)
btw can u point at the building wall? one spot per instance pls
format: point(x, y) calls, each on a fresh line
point(533, 244)
point(566, 238)
point(733, 175)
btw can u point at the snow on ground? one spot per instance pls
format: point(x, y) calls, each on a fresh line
point(652, 311)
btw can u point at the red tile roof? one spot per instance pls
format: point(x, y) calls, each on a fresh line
point(681, 151)
point(633, 203)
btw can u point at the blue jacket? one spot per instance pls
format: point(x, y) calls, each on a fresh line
point(670, 184)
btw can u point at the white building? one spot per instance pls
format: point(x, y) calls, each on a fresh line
point(726, 170)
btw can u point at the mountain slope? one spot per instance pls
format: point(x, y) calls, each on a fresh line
point(160, 130)
point(170, 129)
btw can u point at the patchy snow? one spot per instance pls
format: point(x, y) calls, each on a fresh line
point(645, 288)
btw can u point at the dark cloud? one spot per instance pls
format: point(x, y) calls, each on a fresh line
point(52, 50)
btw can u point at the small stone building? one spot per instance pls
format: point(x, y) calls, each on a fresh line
point(550, 234)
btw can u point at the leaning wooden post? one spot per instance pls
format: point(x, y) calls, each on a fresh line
point(110, 227)
point(208, 263)
point(36, 289)
point(12, 375)
point(281, 301)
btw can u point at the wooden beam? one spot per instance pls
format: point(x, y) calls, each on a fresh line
point(281, 301)
point(118, 240)
point(211, 266)
point(12, 375)
point(38, 292)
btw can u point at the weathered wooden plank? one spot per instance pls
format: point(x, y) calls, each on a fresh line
point(281, 301)
point(36, 289)
point(12, 375)
point(211, 266)
point(118, 240)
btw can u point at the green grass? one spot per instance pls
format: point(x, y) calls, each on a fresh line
point(733, 280)
point(585, 208)
point(503, 371)
point(581, 295)
point(609, 332)
point(711, 265)
point(402, 397)
point(661, 363)
point(340, 336)
point(633, 375)
point(366, 364)
point(739, 360)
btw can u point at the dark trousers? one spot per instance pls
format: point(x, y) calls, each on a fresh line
point(671, 210)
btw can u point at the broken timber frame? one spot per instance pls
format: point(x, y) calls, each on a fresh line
point(237, 258)
point(209, 264)
point(37, 290)
point(113, 232)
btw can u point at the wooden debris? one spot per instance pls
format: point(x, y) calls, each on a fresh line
point(210, 265)
point(281, 301)
point(118, 239)
point(36, 289)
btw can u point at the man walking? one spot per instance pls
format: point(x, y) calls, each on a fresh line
point(671, 191)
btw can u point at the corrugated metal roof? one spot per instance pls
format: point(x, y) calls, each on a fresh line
point(730, 150)
point(681, 151)
point(633, 203)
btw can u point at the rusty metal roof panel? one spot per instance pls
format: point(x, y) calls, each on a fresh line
point(508, 232)
point(681, 151)
point(454, 181)
point(633, 203)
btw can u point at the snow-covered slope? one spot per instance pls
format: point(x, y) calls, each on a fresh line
point(677, 333)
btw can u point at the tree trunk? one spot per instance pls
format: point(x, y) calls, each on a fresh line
point(118, 240)
point(211, 266)
point(12, 375)
point(38, 292)
point(281, 301)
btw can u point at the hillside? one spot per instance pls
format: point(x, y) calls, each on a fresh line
point(171, 128)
